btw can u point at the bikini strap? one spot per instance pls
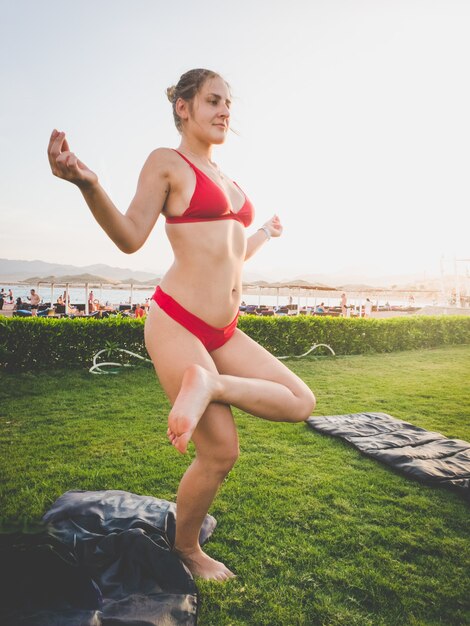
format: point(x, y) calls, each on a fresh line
point(186, 159)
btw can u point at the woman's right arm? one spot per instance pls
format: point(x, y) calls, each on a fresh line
point(129, 231)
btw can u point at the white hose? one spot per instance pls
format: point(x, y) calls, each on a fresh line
point(96, 367)
point(317, 345)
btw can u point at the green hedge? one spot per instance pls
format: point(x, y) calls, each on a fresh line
point(294, 336)
point(40, 343)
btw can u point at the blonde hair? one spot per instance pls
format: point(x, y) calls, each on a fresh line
point(187, 88)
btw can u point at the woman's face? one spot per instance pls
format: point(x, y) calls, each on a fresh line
point(209, 116)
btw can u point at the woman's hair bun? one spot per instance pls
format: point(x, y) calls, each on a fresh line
point(170, 92)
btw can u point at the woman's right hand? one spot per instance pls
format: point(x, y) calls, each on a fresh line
point(64, 164)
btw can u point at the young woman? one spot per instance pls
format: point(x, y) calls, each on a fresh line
point(204, 363)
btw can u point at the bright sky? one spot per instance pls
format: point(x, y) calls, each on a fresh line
point(353, 121)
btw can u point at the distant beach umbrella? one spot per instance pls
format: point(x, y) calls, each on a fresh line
point(87, 309)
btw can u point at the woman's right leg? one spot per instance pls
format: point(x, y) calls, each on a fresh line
point(173, 349)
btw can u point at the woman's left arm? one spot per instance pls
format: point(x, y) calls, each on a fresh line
point(271, 228)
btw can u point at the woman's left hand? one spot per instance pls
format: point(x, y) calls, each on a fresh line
point(274, 226)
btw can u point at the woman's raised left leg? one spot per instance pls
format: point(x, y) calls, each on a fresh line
point(250, 378)
point(254, 380)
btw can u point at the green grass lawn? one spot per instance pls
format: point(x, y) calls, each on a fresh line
point(316, 532)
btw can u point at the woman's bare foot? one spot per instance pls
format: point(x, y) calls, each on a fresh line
point(196, 392)
point(200, 564)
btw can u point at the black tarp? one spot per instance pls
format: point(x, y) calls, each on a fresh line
point(419, 453)
point(100, 558)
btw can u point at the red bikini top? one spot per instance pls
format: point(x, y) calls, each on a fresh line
point(209, 202)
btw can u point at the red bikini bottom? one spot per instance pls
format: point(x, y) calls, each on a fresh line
point(211, 337)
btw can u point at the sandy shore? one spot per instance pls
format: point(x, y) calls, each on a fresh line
point(7, 311)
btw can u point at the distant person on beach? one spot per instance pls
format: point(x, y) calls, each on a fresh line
point(367, 308)
point(10, 296)
point(139, 311)
point(204, 362)
point(91, 304)
point(34, 299)
point(344, 305)
point(2, 298)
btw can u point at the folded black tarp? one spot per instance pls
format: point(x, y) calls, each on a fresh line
point(100, 558)
point(421, 454)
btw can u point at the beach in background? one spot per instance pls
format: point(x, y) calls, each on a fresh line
point(114, 298)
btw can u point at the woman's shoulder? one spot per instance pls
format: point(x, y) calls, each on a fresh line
point(165, 159)
point(164, 155)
